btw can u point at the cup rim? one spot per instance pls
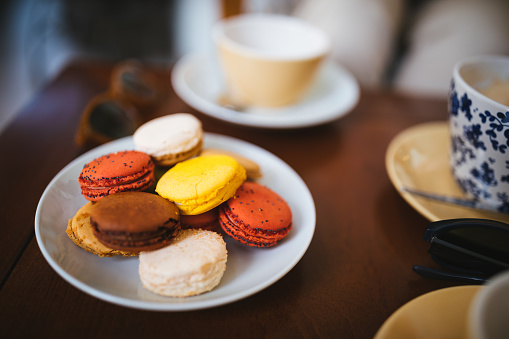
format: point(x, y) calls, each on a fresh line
point(478, 59)
point(498, 282)
point(219, 36)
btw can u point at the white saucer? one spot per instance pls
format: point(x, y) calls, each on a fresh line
point(418, 158)
point(195, 78)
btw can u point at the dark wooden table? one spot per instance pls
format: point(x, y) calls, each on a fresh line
point(356, 272)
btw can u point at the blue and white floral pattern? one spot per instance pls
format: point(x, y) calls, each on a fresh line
point(480, 149)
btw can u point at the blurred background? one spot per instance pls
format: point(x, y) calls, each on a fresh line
point(405, 45)
point(40, 36)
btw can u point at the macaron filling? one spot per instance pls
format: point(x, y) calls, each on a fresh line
point(95, 193)
point(137, 241)
point(145, 180)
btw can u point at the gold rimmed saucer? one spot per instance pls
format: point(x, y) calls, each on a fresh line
point(418, 158)
point(439, 314)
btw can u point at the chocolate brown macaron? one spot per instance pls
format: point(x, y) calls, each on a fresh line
point(135, 221)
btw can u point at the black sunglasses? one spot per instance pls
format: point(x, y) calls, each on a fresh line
point(472, 250)
point(106, 118)
point(133, 95)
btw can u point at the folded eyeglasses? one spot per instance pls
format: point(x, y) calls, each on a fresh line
point(471, 250)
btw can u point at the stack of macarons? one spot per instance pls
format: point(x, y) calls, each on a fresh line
point(199, 185)
point(175, 222)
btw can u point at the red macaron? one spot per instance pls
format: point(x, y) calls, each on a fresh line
point(256, 216)
point(116, 172)
point(206, 221)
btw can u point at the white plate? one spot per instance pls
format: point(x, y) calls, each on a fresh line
point(196, 80)
point(116, 280)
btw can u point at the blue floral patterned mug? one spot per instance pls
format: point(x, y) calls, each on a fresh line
point(479, 129)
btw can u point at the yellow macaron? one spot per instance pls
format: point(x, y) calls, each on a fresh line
point(199, 184)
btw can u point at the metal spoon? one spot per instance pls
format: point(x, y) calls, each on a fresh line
point(451, 200)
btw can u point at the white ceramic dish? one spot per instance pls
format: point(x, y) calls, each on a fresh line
point(116, 280)
point(196, 79)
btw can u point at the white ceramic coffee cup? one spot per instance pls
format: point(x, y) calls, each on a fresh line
point(479, 129)
point(489, 312)
point(268, 60)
